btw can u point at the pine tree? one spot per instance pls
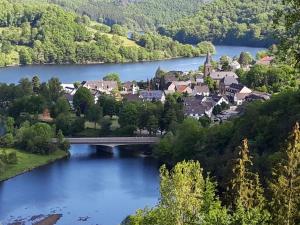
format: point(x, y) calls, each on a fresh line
point(248, 198)
point(285, 186)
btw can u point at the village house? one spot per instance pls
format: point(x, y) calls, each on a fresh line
point(130, 87)
point(201, 90)
point(131, 97)
point(265, 60)
point(219, 99)
point(219, 75)
point(237, 93)
point(101, 85)
point(197, 107)
point(155, 95)
point(199, 79)
point(226, 82)
point(235, 65)
point(172, 86)
point(183, 89)
point(255, 95)
point(69, 88)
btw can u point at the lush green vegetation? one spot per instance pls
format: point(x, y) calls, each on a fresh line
point(25, 161)
point(265, 125)
point(271, 79)
point(187, 196)
point(42, 33)
point(233, 22)
point(135, 14)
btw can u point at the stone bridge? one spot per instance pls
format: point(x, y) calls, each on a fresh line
point(114, 141)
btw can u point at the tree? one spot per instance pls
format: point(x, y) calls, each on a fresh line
point(224, 61)
point(94, 114)
point(82, 100)
point(248, 200)
point(152, 124)
point(63, 144)
point(117, 29)
point(186, 197)
point(25, 56)
point(286, 183)
point(129, 115)
point(61, 106)
point(113, 77)
point(55, 89)
point(289, 50)
point(36, 83)
point(245, 58)
point(9, 125)
point(25, 87)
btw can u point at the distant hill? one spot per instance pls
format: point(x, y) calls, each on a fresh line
point(135, 14)
point(232, 22)
point(39, 33)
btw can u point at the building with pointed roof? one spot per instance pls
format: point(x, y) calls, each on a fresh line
point(207, 65)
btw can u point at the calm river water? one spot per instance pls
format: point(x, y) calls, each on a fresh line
point(127, 71)
point(101, 188)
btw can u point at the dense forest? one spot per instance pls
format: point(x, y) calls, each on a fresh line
point(191, 21)
point(229, 22)
point(44, 33)
point(135, 14)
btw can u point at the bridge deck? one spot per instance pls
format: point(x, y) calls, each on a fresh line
point(114, 140)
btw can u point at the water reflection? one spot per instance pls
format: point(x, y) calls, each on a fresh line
point(104, 186)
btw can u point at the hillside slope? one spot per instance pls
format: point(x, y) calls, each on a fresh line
point(234, 22)
point(135, 14)
point(38, 33)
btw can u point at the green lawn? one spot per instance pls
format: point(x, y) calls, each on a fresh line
point(28, 161)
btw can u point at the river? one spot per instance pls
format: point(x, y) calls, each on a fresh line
point(91, 185)
point(128, 71)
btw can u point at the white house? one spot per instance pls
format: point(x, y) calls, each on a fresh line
point(201, 90)
point(155, 95)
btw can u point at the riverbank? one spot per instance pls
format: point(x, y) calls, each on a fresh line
point(101, 62)
point(27, 162)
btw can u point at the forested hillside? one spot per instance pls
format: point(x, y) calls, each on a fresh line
point(234, 22)
point(44, 33)
point(135, 14)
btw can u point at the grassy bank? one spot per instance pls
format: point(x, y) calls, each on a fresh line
point(28, 161)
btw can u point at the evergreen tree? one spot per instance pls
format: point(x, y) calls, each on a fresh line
point(248, 199)
point(286, 184)
point(36, 83)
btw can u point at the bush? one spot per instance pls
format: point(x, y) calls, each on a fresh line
point(12, 158)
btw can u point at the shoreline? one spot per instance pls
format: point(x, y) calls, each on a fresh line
point(26, 170)
point(100, 63)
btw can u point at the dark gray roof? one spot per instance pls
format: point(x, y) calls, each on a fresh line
point(131, 97)
point(229, 80)
point(219, 75)
point(237, 86)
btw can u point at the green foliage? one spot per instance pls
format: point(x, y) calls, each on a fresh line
point(236, 23)
point(38, 33)
point(83, 99)
point(272, 79)
point(264, 124)
point(285, 186)
point(137, 15)
point(289, 46)
point(36, 138)
point(186, 198)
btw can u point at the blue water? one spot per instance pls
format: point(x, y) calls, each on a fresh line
point(128, 71)
point(104, 188)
